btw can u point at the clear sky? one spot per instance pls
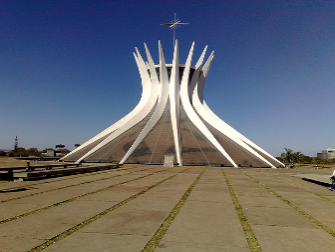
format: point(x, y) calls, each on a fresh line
point(67, 71)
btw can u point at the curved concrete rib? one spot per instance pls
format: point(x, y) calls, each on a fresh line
point(174, 102)
point(162, 101)
point(243, 138)
point(191, 113)
point(140, 114)
point(198, 100)
point(206, 113)
point(146, 90)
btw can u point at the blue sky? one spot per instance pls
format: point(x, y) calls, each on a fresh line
point(67, 71)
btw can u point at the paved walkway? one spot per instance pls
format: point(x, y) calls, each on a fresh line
point(147, 208)
point(316, 178)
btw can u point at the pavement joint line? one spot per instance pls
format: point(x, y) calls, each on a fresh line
point(291, 184)
point(249, 234)
point(300, 211)
point(68, 186)
point(73, 199)
point(52, 181)
point(157, 237)
point(98, 216)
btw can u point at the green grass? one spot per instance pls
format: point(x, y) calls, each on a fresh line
point(300, 211)
point(87, 182)
point(73, 199)
point(154, 241)
point(98, 216)
point(299, 187)
point(249, 234)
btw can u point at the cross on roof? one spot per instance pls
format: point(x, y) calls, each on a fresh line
point(174, 24)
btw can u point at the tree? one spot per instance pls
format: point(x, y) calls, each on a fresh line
point(296, 156)
point(76, 145)
point(33, 152)
point(288, 155)
point(60, 146)
point(21, 152)
point(64, 151)
point(10, 154)
point(282, 157)
point(307, 159)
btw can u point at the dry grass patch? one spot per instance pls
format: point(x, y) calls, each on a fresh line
point(13, 162)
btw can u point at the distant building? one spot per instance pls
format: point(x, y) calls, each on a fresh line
point(50, 153)
point(326, 154)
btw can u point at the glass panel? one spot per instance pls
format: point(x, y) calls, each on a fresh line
point(274, 162)
point(157, 144)
point(75, 156)
point(241, 156)
point(196, 149)
point(115, 150)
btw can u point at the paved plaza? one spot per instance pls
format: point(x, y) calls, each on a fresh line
point(155, 208)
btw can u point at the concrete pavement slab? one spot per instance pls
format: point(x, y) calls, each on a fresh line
point(146, 202)
point(112, 195)
point(171, 246)
point(316, 177)
point(19, 244)
point(273, 216)
point(207, 221)
point(10, 210)
point(127, 222)
point(102, 242)
point(44, 225)
point(274, 238)
point(260, 201)
point(210, 197)
point(85, 208)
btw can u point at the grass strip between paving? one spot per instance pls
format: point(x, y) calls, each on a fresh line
point(62, 179)
point(75, 198)
point(299, 187)
point(98, 216)
point(154, 241)
point(51, 190)
point(249, 234)
point(300, 211)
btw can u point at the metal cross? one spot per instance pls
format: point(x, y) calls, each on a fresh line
point(174, 24)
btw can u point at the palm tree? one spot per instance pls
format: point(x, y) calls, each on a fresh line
point(288, 155)
point(283, 157)
point(296, 156)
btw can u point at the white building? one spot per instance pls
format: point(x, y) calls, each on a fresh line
point(173, 119)
point(327, 154)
